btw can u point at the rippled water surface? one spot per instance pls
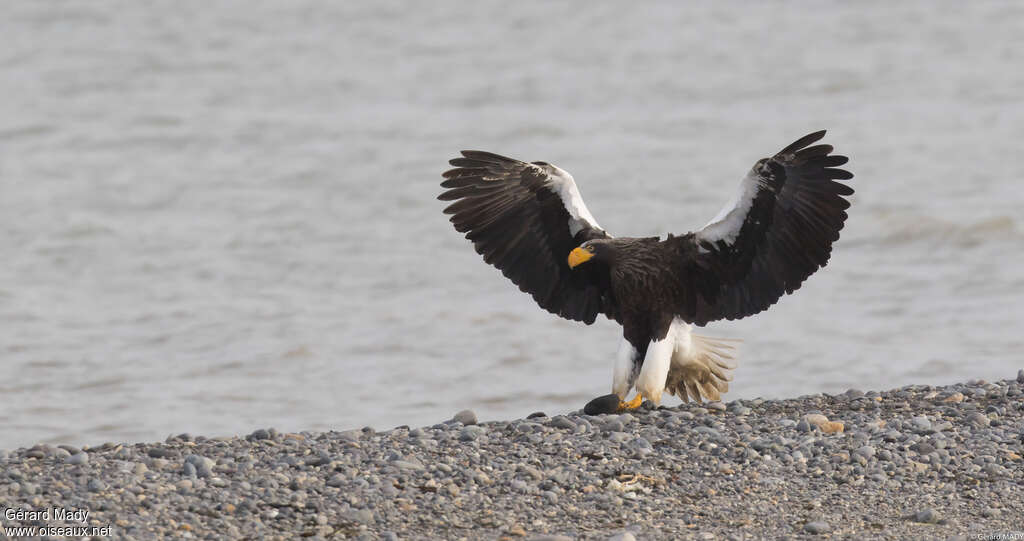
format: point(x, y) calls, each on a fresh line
point(221, 216)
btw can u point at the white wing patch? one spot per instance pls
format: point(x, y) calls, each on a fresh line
point(726, 225)
point(565, 187)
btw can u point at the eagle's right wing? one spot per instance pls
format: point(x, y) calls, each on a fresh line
point(525, 218)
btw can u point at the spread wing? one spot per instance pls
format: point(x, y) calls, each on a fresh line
point(525, 218)
point(776, 232)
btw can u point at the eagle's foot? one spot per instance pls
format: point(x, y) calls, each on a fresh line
point(611, 403)
point(632, 404)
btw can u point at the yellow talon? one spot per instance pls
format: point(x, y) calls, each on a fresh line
point(632, 404)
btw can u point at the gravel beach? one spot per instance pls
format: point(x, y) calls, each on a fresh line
point(916, 462)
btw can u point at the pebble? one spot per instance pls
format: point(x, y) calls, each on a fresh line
point(561, 421)
point(466, 417)
point(362, 516)
point(77, 458)
point(815, 419)
point(470, 433)
point(259, 434)
point(652, 470)
point(927, 516)
point(832, 427)
point(978, 419)
point(614, 425)
point(866, 451)
point(618, 437)
point(953, 398)
point(921, 423)
point(990, 512)
point(203, 465)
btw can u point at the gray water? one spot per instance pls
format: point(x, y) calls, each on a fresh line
point(222, 216)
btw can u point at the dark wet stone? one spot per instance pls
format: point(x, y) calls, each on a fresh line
point(608, 403)
point(259, 434)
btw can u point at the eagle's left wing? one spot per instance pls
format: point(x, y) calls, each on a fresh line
point(777, 231)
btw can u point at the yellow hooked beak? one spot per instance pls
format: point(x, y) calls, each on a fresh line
point(578, 256)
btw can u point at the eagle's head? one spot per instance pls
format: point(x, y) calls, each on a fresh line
point(596, 250)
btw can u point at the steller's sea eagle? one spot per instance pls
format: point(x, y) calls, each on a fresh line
point(529, 221)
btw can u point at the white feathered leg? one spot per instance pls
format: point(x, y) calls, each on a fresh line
point(625, 371)
point(651, 382)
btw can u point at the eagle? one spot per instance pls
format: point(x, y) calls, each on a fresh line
point(529, 220)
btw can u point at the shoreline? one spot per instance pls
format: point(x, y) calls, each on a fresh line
point(918, 461)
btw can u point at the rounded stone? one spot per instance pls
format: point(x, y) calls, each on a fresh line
point(927, 516)
point(606, 404)
point(79, 458)
point(865, 451)
point(259, 434)
point(470, 433)
point(978, 419)
point(921, 423)
point(562, 421)
point(466, 417)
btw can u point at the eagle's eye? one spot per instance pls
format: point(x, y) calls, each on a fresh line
point(590, 248)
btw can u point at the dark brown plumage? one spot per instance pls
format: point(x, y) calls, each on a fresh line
point(526, 219)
